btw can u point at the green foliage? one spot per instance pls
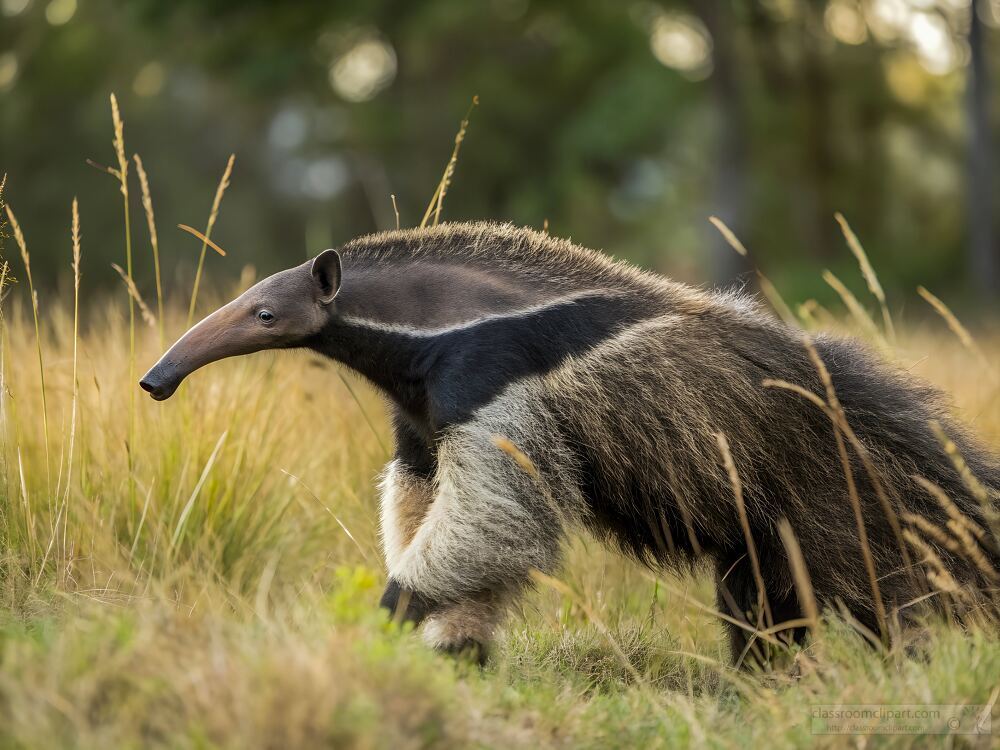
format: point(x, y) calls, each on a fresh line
point(804, 109)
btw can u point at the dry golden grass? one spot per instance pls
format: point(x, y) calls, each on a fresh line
point(233, 603)
point(154, 243)
point(229, 600)
point(206, 238)
point(437, 200)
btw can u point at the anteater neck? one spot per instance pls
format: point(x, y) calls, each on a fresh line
point(444, 345)
point(393, 361)
point(390, 318)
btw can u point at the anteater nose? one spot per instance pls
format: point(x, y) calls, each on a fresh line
point(158, 384)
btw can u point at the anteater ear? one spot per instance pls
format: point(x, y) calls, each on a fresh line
point(326, 272)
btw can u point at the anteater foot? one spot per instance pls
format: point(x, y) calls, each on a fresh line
point(468, 650)
point(405, 605)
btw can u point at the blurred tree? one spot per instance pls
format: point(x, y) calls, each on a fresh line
point(731, 179)
point(984, 252)
point(625, 125)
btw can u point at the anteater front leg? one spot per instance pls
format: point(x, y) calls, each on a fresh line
point(489, 525)
point(406, 499)
point(407, 491)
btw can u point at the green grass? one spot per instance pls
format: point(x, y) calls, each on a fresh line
point(230, 607)
point(230, 600)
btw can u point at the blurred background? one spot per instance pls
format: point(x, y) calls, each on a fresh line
point(621, 124)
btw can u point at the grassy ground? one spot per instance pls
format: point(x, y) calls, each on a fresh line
point(229, 598)
point(204, 573)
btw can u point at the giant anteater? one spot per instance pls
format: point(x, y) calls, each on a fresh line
point(614, 385)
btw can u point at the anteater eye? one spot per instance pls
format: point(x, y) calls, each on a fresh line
point(265, 316)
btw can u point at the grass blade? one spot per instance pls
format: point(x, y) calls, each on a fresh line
point(212, 216)
point(133, 292)
point(437, 200)
point(26, 257)
point(960, 331)
point(871, 278)
point(769, 290)
point(182, 520)
point(857, 311)
point(122, 175)
point(147, 204)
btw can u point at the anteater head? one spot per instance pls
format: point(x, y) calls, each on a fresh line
point(280, 312)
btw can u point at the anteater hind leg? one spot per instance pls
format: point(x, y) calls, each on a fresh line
point(488, 526)
point(738, 597)
point(467, 628)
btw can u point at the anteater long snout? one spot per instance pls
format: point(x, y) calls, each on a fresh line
point(161, 381)
point(222, 334)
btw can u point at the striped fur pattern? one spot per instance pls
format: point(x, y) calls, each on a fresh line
point(615, 383)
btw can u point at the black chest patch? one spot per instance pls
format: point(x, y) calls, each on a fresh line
point(474, 363)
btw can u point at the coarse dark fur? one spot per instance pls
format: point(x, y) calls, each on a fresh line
point(615, 384)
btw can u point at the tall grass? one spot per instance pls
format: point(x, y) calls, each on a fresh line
point(26, 259)
point(763, 606)
point(868, 272)
point(212, 216)
point(228, 598)
point(437, 200)
point(147, 205)
point(3, 217)
point(767, 287)
point(122, 174)
point(961, 332)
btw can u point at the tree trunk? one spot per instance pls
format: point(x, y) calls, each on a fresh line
point(983, 251)
point(730, 180)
